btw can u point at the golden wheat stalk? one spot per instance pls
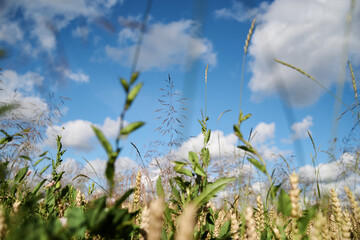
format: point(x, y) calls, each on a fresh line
point(186, 223)
point(345, 227)
point(335, 205)
point(156, 219)
point(353, 80)
point(234, 225)
point(250, 224)
point(249, 36)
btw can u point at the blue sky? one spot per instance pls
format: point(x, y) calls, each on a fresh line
point(79, 49)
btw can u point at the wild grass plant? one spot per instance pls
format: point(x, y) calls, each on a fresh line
point(185, 209)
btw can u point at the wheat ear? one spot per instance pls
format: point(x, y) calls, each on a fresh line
point(156, 219)
point(186, 223)
point(249, 36)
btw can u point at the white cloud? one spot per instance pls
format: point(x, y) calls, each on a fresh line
point(10, 32)
point(123, 165)
point(308, 34)
point(19, 89)
point(45, 18)
point(219, 145)
point(263, 132)
point(336, 174)
point(77, 77)
point(81, 32)
point(239, 11)
point(300, 129)
point(164, 45)
point(79, 135)
point(23, 82)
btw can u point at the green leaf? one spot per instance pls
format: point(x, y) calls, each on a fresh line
point(185, 171)
point(159, 188)
point(131, 127)
point(38, 186)
point(193, 158)
point(212, 189)
point(109, 172)
point(237, 132)
point(76, 221)
point(21, 174)
point(225, 230)
point(134, 76)
point(124, 197)
point(199, 170)
point(284, 203)
point(247, 148)
point(205, 154)
point(124, 84)
point(257, 164)
point(44, 169)
point(104, 142)
point(132, 94)
point(38, 161)
point(207, 136)
point(306, 218)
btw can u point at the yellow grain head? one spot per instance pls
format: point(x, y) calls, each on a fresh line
point(335, 206)
point(353, 80)
point(186, 223)
point(234, 225)
point(250, 224)
point(145, 220)
point(137, 190)
point(156, 219)
point(249, 36)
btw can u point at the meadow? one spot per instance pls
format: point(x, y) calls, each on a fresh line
point(182, 205)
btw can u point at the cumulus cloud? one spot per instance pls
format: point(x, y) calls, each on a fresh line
point(79, 135)
point(10, 32)
point(19, 89)
point(240, 12)
point(336, 174)
point(45, 18)
point(263, 140)
point(263, 132)
point(23, 82)
point(307, 34)
point(219, 145)
point(300, 130)
point(78, 76)
point(164, 45)
point(81, 32)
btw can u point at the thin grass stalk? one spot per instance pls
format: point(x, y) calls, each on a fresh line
point(313, 79)
point(206, 73)
point(248, 38)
